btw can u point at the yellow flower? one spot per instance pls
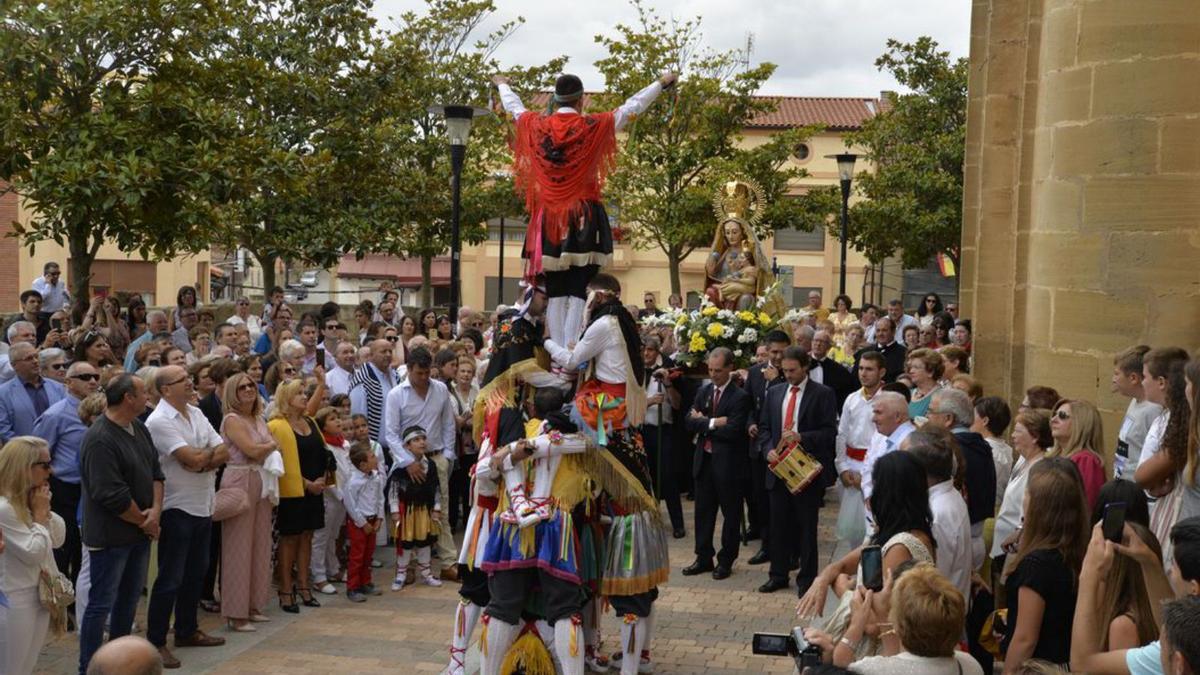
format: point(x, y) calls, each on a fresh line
point(711, 310)
point(715, 329)
point(764, 318)
point(698, 344)
point(681, 320)
point(746, 315)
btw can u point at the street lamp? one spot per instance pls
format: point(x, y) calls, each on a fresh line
point(458, 127)
point(845, 164)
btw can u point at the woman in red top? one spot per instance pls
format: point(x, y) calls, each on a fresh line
point(1079, 436)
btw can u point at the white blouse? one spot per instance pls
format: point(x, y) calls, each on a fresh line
point(27, 548)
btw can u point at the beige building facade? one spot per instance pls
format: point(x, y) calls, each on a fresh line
point(1081, 226)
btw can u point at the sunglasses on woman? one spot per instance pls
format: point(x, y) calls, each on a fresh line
point(44, 465)
point(1063, 415)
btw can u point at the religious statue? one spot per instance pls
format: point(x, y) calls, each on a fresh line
point(737, 271)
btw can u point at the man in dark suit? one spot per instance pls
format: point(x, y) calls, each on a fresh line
point(802, 410)
point(893, 352)
point(829, 372)
point(761, 377)
point(718, 418)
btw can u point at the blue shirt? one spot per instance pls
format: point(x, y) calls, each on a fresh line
point(63, 431)
point(1145, 660)
point(263, 346)
point(131, 351)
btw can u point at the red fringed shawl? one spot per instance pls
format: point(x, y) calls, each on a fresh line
point(560, 161)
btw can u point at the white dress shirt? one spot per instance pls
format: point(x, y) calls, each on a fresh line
point(905, 321)
point(1012, 506)
point(310, 363)
point(188, 491)
point(603, 342)
point(434, 413)
point(54, 296)
point(952, 534)
point(337, 381)
point(634, 105)
point(656, 386)
point(855, 430)
point(787, 395)
point(364, 496)
point(880, 446)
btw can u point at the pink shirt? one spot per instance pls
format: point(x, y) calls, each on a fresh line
point(1091, 467)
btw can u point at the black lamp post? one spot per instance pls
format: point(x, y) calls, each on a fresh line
point(845, 163)
point(458, 128)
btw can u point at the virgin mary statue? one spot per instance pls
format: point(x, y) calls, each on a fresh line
point(737, 272)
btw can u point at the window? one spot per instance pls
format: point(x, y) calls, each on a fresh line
point(492, 294)
point(514, 229)
point(799, 240)
point(801, 152)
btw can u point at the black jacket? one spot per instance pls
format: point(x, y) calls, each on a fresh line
point(893, 359)
point(836, 377)
point(728, 442)
point(757, 386)
point(981, 475)
point(816, 422)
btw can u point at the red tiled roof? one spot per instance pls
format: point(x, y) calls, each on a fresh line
point(405, 273)
point(836, 113)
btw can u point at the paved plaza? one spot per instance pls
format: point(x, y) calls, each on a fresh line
point(703, 626)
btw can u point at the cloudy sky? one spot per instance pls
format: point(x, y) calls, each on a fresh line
point(821, 47)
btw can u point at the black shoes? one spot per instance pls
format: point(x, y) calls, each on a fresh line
point(760, 557)
point(679, 533)
point(722, 572)
point(773, 585)
point(698, 567)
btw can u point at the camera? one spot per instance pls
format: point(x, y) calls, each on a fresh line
point(792, 644)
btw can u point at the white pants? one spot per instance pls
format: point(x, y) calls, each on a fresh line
point(23, 626)
point(324, 541)
point(83, 586)
point(447, 552)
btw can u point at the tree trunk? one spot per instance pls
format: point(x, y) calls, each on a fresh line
point(426, 281)
point(82, 255)
point(673, 261)
point(267, 264)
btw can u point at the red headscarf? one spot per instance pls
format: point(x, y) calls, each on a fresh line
point(560, 161)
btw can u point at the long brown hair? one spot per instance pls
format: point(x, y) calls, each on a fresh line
point(1058, 517)
point(1192, 372)
point(1125, 592)
point(1169, 363)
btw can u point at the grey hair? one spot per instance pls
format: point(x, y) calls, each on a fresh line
point(49, 354)
point(17, 326)
point(153, 313)
point(953, 402)
point(893, 401)
point(725, 353)
point(76, 367)
point(652, 342)
point(18, 348)
point(805, 330)
point(291, 349)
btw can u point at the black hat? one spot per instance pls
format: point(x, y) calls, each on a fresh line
point(568, 89)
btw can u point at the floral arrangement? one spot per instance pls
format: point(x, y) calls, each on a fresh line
point(700, 331)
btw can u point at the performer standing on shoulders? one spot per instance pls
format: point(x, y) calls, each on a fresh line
point(560, 161)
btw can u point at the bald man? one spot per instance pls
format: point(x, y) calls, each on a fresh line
point(129, 655)
point(369, 387)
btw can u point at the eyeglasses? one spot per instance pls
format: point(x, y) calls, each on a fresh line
point(44, 465)
point(86, 377)
point(57, 366)
point(331, 326)
point(392, 338)
point(930, 301)
point(248, 385)
point(289, 372)
point(185, 378)
point(1063, 415)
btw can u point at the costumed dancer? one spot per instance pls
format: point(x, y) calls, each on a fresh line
point(560, 162)
point(610, 405)
point(534, 543)
point(415, 509)
point(516, 362)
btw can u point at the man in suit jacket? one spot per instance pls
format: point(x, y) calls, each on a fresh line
point(718, 417)
point(828, 372)
point(803, 410)
point(25, 397)
point(761, 377)
point(893, 352)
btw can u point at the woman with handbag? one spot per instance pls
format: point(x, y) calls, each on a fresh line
point(246, 535)
point(31, 532)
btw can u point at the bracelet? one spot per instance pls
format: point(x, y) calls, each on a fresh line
point(890, 631)
point(852, 645)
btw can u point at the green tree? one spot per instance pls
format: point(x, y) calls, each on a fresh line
point(912, 201)
point(677, 153)
point(103, 132)
point(446, 61)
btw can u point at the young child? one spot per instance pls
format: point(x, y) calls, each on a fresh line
point(1139, 415)
point(342, 403)
point(415, 509)
point(361, 433)
point(364, 517)
point(325, 564)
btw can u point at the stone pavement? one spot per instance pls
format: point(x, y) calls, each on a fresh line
point(702, 626)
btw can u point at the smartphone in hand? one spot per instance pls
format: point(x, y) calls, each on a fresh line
point(871, 564)
point(1114, 521)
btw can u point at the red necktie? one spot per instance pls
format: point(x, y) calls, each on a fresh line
point(790, 410)
point(715, 400)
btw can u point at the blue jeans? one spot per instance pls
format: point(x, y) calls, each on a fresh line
point(182, 564)
point(117, 576)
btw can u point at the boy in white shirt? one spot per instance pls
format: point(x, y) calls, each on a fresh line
point(364, 517)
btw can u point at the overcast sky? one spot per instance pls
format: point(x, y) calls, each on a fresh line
point(821, 47)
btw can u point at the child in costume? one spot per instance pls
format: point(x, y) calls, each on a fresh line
point(415, 510)
point(325, 560)
point(364, 517)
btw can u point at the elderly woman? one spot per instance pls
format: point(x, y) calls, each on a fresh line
point(924, 367)
point(31, 533)
point(53, 364)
